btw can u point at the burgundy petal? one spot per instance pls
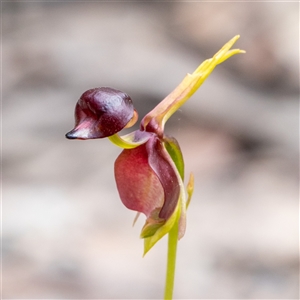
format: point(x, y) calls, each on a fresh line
point(146, 179)
point(138, 185)
point(161, 162)
point(101, 112)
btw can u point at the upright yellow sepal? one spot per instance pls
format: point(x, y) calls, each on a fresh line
point(189, 85)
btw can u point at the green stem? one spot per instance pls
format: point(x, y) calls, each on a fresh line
point(172, 247)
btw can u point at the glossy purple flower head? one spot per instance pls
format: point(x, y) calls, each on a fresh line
point(101, 112)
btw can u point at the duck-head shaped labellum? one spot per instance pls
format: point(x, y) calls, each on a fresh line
point(101, 112)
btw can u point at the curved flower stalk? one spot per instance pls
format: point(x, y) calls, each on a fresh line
point(149, 172)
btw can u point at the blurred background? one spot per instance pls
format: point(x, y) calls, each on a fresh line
point(66, 234)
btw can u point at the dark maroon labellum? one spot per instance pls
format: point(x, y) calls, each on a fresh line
point(101, 112)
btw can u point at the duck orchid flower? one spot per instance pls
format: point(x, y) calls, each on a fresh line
point(149, 172)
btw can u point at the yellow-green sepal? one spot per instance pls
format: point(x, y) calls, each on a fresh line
point(175, 153)
point(189, 85)
point(149, 242)
point(129, 141)
point(153, 223)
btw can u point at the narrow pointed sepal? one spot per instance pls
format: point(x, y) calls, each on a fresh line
point(152, 224)
point(131, 140)
point(150, 241)
point(190, 189)
point(175, 153)
point(155, 120)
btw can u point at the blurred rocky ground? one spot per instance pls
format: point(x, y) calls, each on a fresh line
point(66, 234)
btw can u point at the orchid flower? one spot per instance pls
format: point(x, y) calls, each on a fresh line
point(149, 172)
